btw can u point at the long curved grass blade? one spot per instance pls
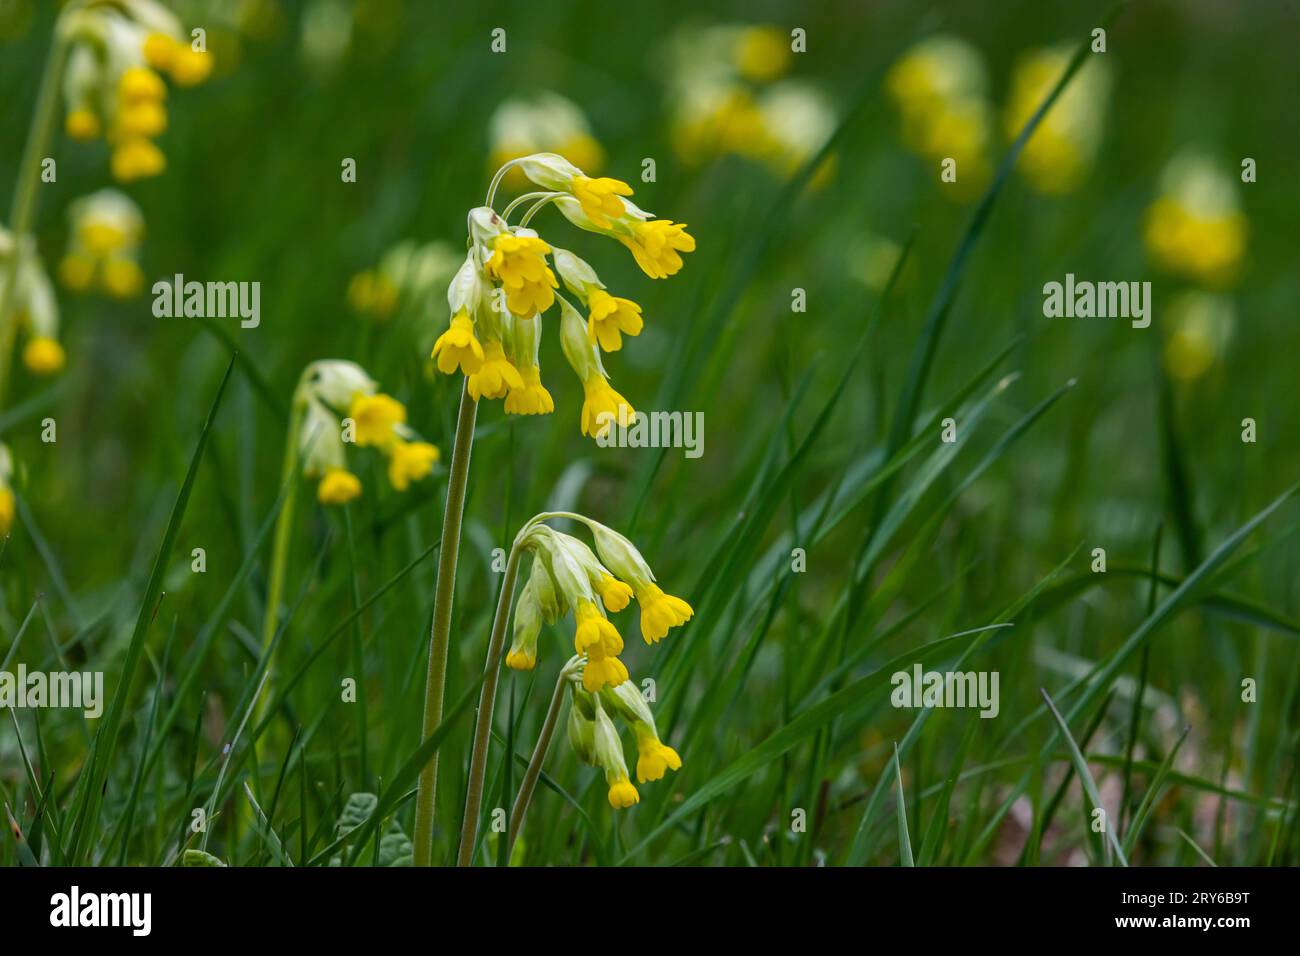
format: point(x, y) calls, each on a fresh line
point(904, 841)
point(1085, 778)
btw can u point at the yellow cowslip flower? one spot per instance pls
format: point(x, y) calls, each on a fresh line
point(106, 229)
point(410, 461)
point(621, 792)
point(136, 158)
point(1195, 227)
point(458, 348)
point(762, 54)
point(1199, 327)
point(614, 594)
point(376, 417)
point(532, 398)
point(602, 670)
point(608, 317)
point(522, 655)
point(139, 84)
point(659, 612)
point(82, 124)
point(603, 407)
point(112, 82)
point(607, 749)
point(599, 198)
point(656, 246)
point(611, 318)
point(654, 757)
point(35, 307)
point(338, 486)
point(594, 629)
point(496, 375)
point(43, 356)
point(518, 262)
point(185, 65)
point(1060, 153)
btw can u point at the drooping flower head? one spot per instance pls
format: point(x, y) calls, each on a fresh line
point(113, 86)
point(596, 741)
point(104, 245)
point(568, 575)
point(33, 303)
point(338, 404)
point(1195, 228)
point(511, 277)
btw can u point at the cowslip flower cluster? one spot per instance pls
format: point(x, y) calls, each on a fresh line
point(104, 245)
point(595, 738)
point(339, 404)
point(566, 575)
point(508, 280)
point(6, 491)
point(1195, 228)
point(406, 274)
point(113, 83)
point(541, 122)
point(728, 98)
point(1061, 151)
point(940, 87)
point(33, 303)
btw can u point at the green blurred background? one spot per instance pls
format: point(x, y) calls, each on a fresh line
point(252, 191)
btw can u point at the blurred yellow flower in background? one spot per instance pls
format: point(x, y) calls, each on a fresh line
point(1195, 228)
point(1061, 152)
point(104, 246)
point(940, 88)
point(542, 122)
point(112, 83)
point(726, 100)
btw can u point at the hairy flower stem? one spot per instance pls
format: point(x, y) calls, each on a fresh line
point(534, 771)
point(436, 680)
point(23, 212)
point(487, 699)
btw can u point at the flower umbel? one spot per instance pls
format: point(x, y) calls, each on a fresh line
point(499, 297)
